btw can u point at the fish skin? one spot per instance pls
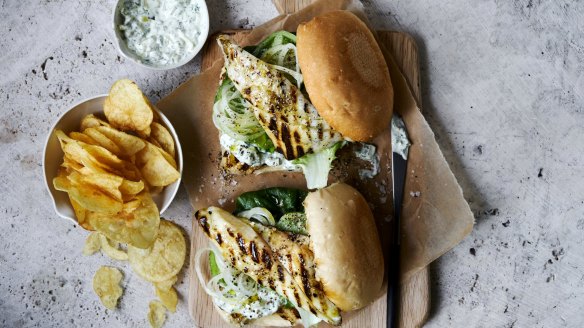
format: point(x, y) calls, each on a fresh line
point(290, 120)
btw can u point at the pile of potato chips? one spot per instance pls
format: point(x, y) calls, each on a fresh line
point(111, 168)
point(159, 264)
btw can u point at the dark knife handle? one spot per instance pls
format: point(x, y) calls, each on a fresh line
point(393, 286)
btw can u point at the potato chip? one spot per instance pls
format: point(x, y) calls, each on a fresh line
point(130, 188)
point(92, 121)
point(166, 284)
point(156, 314)
point(164, 139)
point(103, 141)
point(127, 108)
point(155, 169)
point(81, 215)
point(168, 297)
point(82, 137)
point(106, 284)
point(71, 164)
point(111, 249)
point(164, 259)
point(92, 244)
point(106, 182)
point(128, 143)
point(137, 223)
point(94, 199)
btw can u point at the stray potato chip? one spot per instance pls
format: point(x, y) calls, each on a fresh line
point(92, 244)
point(164, 259)
point(166, 284)
point(168, 297)
point(92, 121)
point(127, 108)
point(128, 143)
point(162, 137)
point(111, 249)
point(136, 224)
point(156, 314)
point(155, 168)
point(106, 284)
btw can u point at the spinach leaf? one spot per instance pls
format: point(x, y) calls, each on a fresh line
point(278, 201)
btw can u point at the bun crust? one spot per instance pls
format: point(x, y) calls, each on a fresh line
point(346, 246)
point(345, 74)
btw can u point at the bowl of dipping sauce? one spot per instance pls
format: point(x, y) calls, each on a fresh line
point(161, 34)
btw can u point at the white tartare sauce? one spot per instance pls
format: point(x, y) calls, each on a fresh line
point(161, 32)
point(368, 153)
point(399, 137)
point(255, 156)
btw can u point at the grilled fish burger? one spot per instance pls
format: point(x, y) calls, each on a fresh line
point(286, 257)
point(292, 101)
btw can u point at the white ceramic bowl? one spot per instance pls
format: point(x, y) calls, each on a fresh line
point(53, 156)
point(126, 52)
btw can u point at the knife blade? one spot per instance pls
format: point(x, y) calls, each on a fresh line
point(399, 171)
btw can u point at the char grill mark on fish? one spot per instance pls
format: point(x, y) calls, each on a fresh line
point(289, 119)
point(267, 267)
point(293, 252)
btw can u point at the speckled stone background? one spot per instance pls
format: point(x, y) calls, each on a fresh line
point(503, 85)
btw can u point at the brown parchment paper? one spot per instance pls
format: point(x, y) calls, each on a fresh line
point(434, 220)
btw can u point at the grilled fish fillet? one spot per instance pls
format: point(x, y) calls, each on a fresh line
point(248, 252)
point(289, 119)
point(295, 255)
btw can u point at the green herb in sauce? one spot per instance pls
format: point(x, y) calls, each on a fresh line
point(161, 32)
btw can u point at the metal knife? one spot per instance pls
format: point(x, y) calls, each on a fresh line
point(398, 169)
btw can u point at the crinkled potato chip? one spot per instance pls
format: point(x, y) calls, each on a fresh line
point(156, 314)
point(163, 137)
point(169, 298)
point(92, 244)
point(106, 284)
point(92, 121)
point(111, 249)
point(136, 225)
point(128, 143)
point(103, 141)
point(166, 284)
point(127, 108)
point(155, 168)
point(164, 259)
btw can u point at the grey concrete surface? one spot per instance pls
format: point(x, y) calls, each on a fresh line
point(503, 85)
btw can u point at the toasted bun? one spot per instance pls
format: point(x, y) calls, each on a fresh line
point(346, 246)
point(345, 74)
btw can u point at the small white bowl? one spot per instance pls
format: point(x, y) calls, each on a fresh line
point(53, 156)
point(126, 52)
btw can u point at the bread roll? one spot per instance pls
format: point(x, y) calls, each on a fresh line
point(346, 246)
point(345, 74)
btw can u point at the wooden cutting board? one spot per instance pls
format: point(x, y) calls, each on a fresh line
point(415, 294)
